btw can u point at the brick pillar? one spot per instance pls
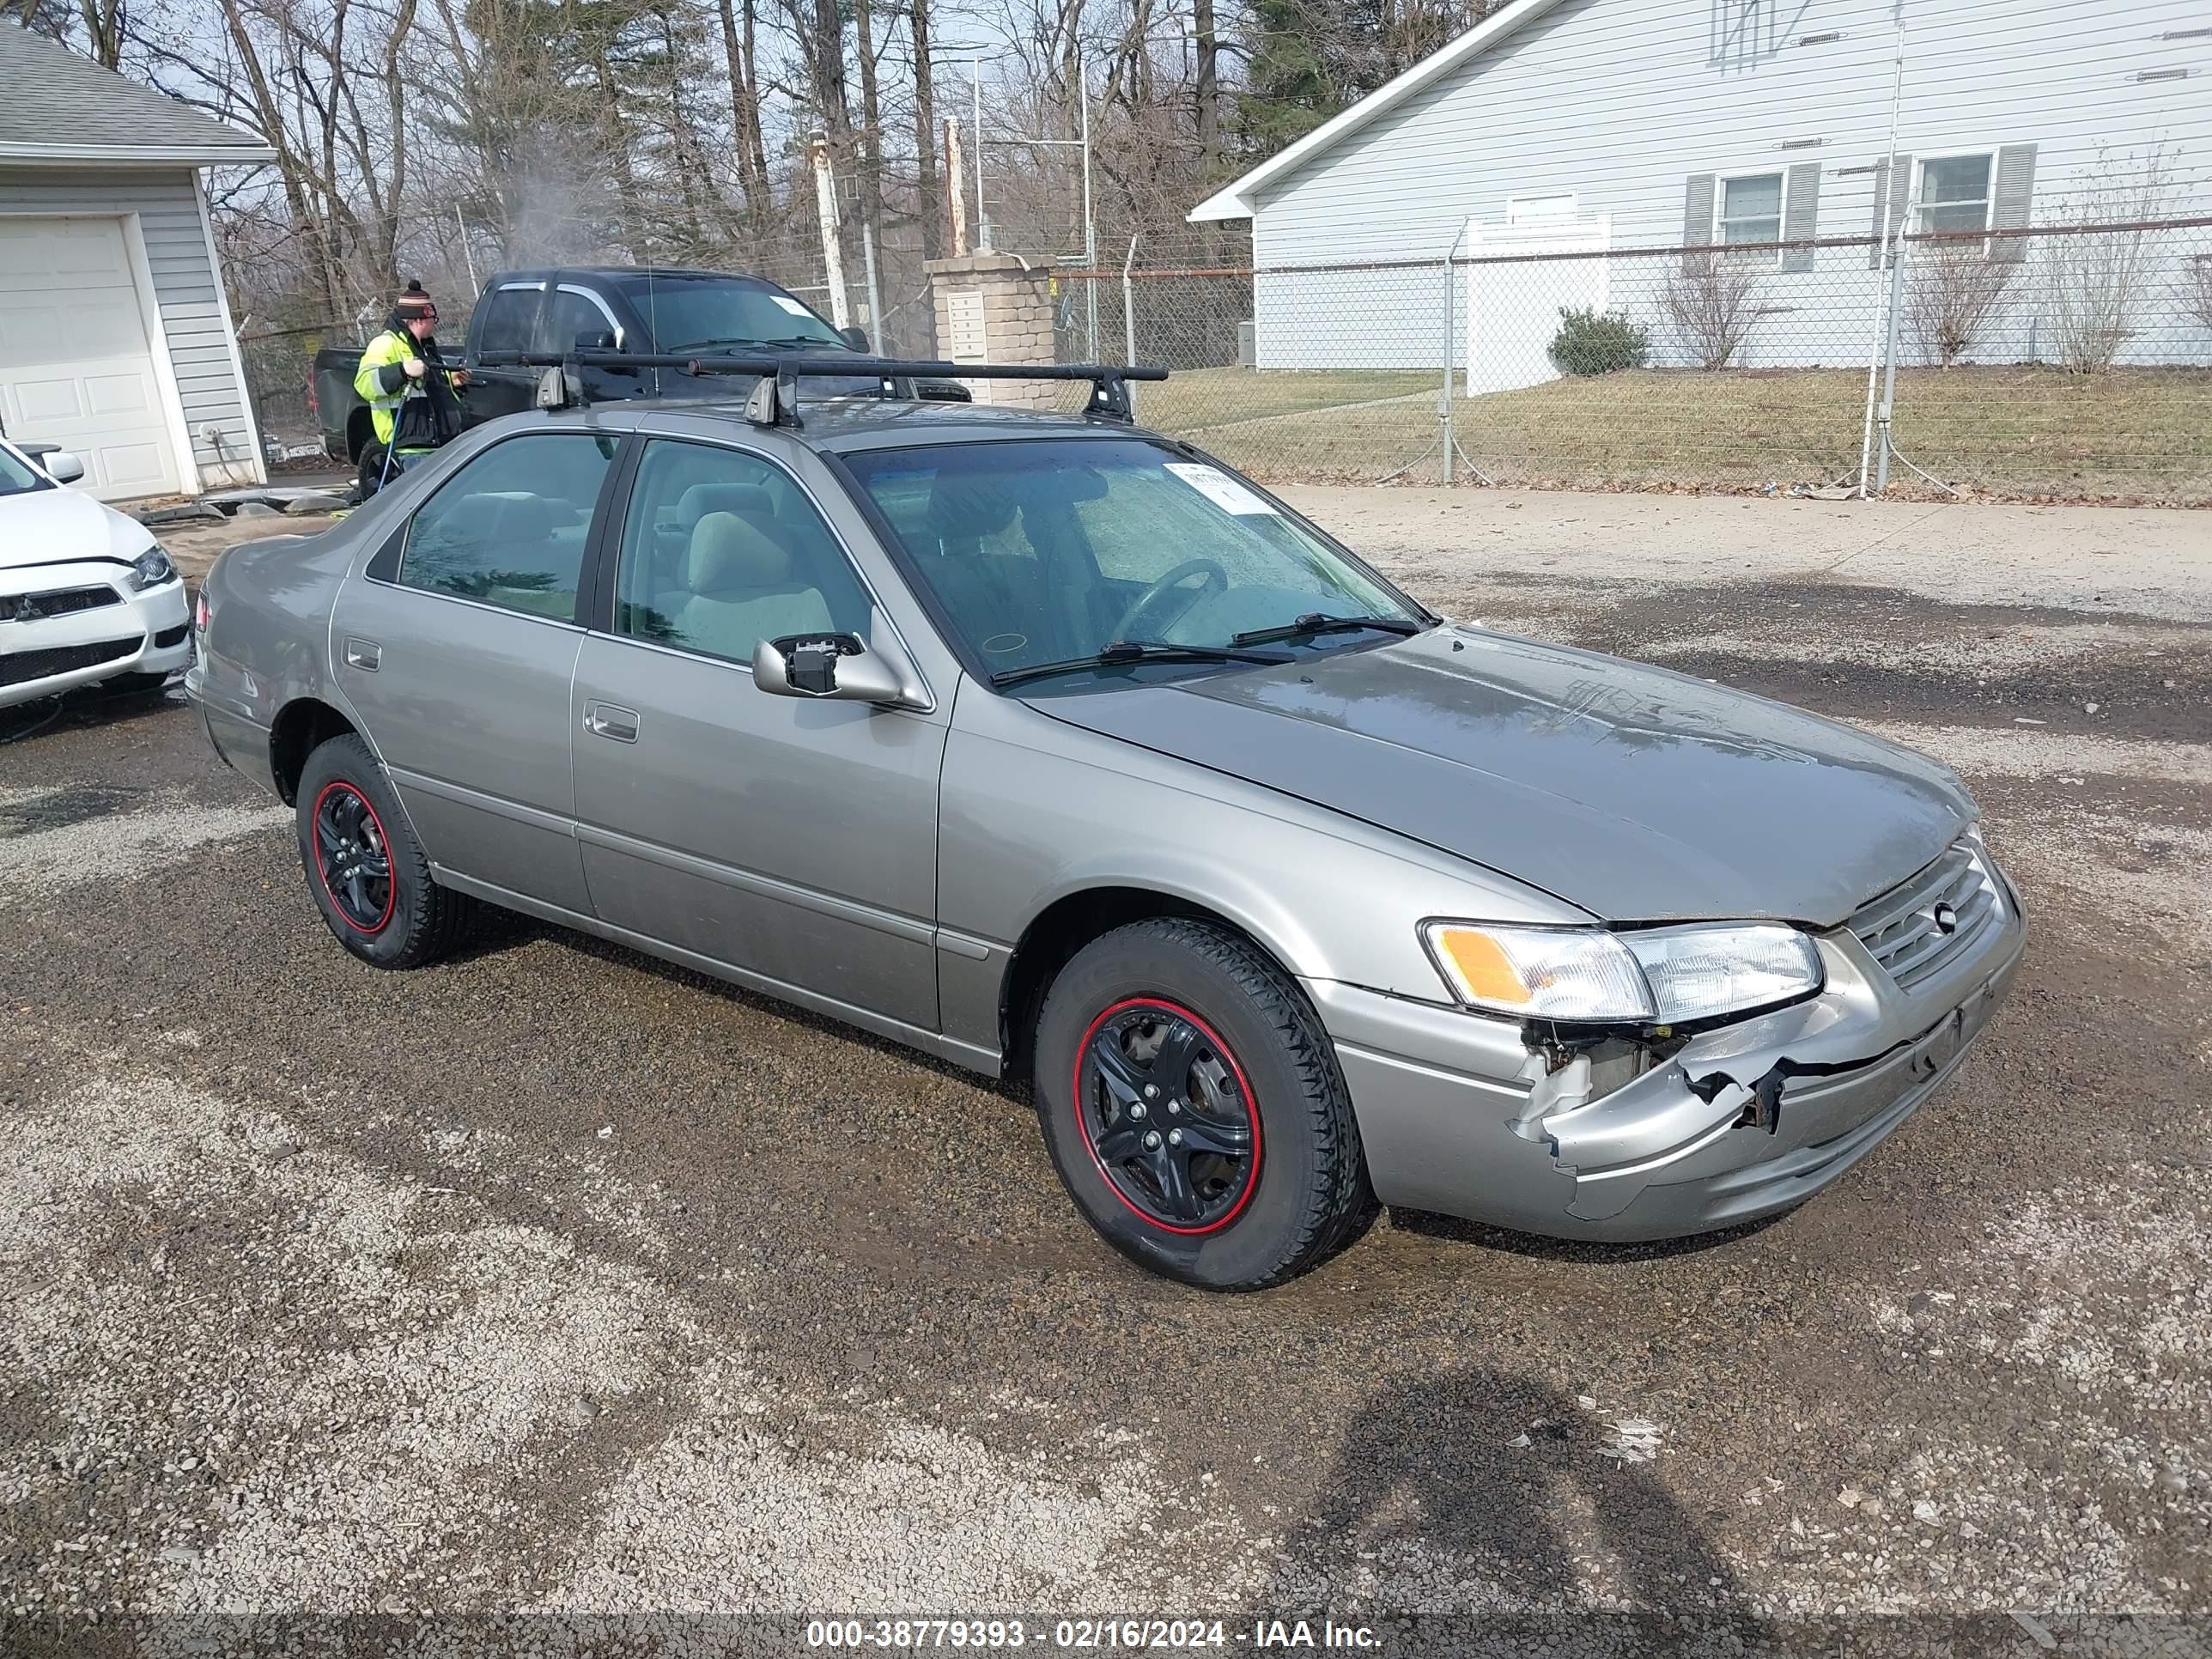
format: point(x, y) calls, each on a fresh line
point(991, 309)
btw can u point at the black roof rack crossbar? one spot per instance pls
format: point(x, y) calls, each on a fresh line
point(1109, 394)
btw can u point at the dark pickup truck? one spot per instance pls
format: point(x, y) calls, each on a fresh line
point(649, 310)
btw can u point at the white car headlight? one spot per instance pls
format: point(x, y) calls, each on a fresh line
point(151, 569)
point(1695, 973)
point(1665, 976)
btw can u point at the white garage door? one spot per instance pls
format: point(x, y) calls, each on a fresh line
point(75, 369)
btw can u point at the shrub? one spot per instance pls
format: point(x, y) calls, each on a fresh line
point(2197, 289)
point(1590, 342)
point(1712, 302)
point(2101, 281)
point(1954, 294)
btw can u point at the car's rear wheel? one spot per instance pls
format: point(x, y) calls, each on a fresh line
point(1193, 1106)
point(366, 872)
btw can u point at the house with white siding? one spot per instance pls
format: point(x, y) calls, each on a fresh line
point(1611, 129)
point(116, 340)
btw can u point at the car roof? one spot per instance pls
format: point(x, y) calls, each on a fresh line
point(623, 273)
point(845, 424)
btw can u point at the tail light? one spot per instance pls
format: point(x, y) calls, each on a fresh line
point(200, 615)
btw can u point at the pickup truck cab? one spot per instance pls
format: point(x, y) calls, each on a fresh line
point(643, 309)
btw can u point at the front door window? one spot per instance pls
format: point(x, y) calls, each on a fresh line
point(721, 550)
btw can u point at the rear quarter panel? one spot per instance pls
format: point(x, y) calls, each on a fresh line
point(268, 640)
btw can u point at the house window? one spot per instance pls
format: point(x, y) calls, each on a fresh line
point(1954, 192)
point(1749, 210)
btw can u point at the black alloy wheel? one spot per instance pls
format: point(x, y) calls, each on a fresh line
point(1168, 1115)
point(1194, 1108)
point(353, 857)
point(366, 872)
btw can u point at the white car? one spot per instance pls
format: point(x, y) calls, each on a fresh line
point(87, 596)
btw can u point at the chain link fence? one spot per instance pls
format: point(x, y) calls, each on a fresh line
point(2068, 361)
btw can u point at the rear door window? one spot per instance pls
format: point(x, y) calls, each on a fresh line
point(510, 528)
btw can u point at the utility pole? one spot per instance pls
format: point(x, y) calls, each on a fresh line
point(833, 254)
point(467, 252)
point(956, 203)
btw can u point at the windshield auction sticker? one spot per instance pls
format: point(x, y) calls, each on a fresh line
point(1224, 491)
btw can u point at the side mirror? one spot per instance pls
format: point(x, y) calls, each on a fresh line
point(840, 666)
point(855, 337)
point(597, 339)
point(61, 467)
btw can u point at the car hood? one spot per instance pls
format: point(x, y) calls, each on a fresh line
point(1637, 794)
point(56, 526)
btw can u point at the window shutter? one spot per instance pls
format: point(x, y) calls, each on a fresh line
point(2014, 205)
point(1697, 210)
point(1893, 190)
point(1802, 222)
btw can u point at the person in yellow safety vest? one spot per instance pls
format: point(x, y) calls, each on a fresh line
point(413, 398)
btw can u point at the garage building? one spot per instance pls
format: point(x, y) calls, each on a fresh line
point(115, 337)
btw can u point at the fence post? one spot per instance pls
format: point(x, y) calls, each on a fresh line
point(1443, 400)
point(1129, 322)
point(1889, 354)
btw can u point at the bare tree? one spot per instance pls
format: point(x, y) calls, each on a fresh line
point(105, 26)
point(1955, 294)
point(2100, 280)
point(925, 131)
point(1713, 303)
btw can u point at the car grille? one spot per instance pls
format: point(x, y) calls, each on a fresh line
point(23, 665)
point(1902, 929)
point(62, 602)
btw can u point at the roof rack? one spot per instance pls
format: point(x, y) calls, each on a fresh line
point(774, 400)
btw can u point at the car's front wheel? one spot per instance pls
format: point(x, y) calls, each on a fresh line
point(366, 872)
point(1194, 1108)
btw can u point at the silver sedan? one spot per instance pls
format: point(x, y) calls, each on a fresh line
point(1055, 749)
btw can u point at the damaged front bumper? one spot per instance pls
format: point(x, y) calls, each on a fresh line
point(1739, 1122)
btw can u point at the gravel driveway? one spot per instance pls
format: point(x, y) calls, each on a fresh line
point(552, 1278)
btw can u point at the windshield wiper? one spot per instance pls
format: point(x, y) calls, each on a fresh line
point(1128, 651)
point(1313, 623)
point(759, 340)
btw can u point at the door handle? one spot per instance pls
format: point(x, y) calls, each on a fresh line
point(606, 720)
point(367, 655)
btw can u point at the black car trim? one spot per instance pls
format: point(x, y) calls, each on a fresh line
point(595, 583)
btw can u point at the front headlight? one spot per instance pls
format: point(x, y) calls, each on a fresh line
point(1665, 976)
point(151, 569)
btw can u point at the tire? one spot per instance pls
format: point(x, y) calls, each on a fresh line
point(389, 913)
point(1239, 1058)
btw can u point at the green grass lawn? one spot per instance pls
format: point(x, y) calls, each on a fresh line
point(2131, 434)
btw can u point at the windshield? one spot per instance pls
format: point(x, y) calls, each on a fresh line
point(18, 475)
point(690, 313)
point(1051, 551)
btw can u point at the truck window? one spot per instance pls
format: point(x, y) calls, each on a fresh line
point(506, 318)
point(571, 316)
